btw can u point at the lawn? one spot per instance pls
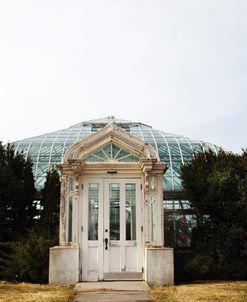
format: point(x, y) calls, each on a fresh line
point(26, 292)
point(204, 292)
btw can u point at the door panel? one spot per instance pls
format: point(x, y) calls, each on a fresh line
point(131, 258)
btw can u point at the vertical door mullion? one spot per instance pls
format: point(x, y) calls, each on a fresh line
point(122, 225)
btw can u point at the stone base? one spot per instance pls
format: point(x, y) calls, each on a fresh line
point(64, 264)
point(159, 265)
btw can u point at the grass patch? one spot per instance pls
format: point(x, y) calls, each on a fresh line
point(26, 292)
point(205, 292)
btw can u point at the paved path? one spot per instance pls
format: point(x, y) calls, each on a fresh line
point(117, 291)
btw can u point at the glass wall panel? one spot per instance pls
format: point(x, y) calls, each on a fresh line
point(163, 153)
point(130, 211)
point(168, 180)
point(158, 137)
point(196, 148)
point(40, 181)
point(114, 201)
point(147, 135)
point(135, 131)
point(178, 228)
point(93, 211)
point(56, 153)
point(176, 204)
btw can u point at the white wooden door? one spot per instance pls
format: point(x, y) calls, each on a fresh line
point(111, 245)
point(122, 230)
point(92, 230)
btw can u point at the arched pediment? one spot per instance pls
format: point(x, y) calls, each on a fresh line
point(111, 144)
point(111, 153)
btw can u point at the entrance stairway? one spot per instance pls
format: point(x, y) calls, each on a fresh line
point(117, 291)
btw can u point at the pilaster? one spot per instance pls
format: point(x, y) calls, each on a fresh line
point(62, 220)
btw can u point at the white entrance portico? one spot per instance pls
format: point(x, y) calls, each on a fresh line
point(111, 212)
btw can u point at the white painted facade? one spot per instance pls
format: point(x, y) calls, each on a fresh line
point(111, 211)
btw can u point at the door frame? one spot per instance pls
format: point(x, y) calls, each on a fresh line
point(86, 244)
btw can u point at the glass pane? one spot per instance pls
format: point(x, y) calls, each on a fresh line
point(130, 211)
point(114, 198)
point(111, 152)
point(70, 219)
point(115, 151)
point(93, 211)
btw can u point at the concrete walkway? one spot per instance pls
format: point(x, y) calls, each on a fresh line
point(119, 291)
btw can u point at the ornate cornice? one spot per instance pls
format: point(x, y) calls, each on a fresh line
point(149, 162)
point(72, 167)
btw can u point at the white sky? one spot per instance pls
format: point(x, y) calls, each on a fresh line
point(177, 65)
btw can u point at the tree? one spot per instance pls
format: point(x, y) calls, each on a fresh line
point(17, 208)
point(49, 214)
point(28, 258)
point(216, 185)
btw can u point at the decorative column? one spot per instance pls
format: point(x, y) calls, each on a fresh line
point(155, 200)
point(62, 220)
point(159, 265)
point(64, 259)
point(71, 172)
point(161, 208)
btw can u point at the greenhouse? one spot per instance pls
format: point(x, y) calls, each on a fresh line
point(174, 150)
point(48, 149)
point(122, 202)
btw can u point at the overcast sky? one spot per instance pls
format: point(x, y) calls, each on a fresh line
point(177, 65)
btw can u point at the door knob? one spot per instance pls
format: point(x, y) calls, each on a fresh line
point(106, 243)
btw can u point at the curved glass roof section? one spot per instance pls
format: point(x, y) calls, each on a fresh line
point(48, 149)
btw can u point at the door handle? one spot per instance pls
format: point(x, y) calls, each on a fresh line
point(106, 243)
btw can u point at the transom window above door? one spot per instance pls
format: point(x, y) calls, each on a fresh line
point(111, 152)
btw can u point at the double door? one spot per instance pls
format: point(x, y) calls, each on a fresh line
point(111, 223)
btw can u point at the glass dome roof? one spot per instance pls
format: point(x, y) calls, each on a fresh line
point(48, 149)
